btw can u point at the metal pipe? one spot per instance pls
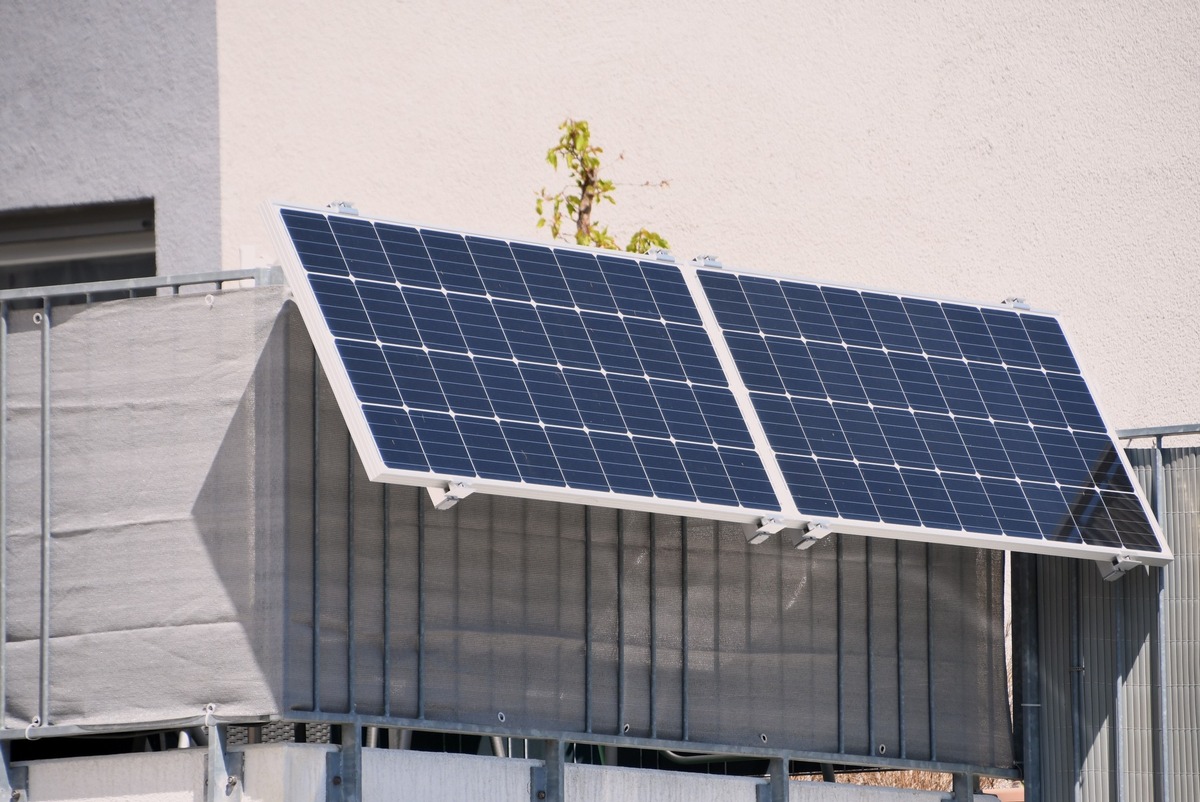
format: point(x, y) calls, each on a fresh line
point(929, 668)
point(316, 529)
point(262, 276)
point(44, 632)
point(351, 635)
point(3, 512)
point(498, 747)
point(1117, 591)
point(900, 651)
point(420, 604)
point(372, 737)
point(621, 723)
point(1077, 669)
point(871, 744)
point(1162, 669)
point(841, 657)
point(683, 625)
point(653, 628)
point(1026, 666)
point(387, 607)
point(587, 618)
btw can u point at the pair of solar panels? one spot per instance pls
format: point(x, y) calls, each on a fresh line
point(476, 364)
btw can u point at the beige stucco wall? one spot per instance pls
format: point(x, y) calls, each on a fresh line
point(104, 100)
point(1046, 150)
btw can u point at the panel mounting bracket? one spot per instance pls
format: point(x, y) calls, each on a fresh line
point(661, 254)
point(343, 207)
point(814, 531)
point(1016, 302)
point(767, 526)
point(708, 260)
point(446, 497)
point(1117, 566)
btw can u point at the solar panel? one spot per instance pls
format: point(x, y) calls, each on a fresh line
point(526, 368)
point(476, 364)
point(918, 414)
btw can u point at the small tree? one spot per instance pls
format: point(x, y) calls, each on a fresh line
point(578, 201)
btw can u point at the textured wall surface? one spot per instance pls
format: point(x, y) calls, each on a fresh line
point(1038, 149)
point(112, 100)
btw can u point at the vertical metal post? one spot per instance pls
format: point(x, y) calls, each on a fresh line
point(778, 782)
point(1026, 665)
point(965, 786)
point(44, 634)
point(683, 625)
point(621, 620)
point(587, 618)
point(1117, 595)
point(871, 744)
point(351, 639)
point(3, 513)
point(900, 651)
point(841, 657)
point(1162, 668)
point(420, 604)
point(343, 769)
point(653, 628)
point(222, 777)
point(929, 665)
point(1077, 669)
point(387, 607)
point(316, 529)
point(555, 777)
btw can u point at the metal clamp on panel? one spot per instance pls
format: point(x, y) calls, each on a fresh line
point(707, 260)
point(1015, 302)
point(342, 207)
point(451, 494)
point(816, 530)
point(1116, 567)
point(661, 254)
point(768, 526)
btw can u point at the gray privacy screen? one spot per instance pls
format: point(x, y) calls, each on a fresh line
point(540, 616)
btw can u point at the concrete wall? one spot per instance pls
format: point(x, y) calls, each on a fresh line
point(296, 773)
point(106, 100)
point(1038, 149)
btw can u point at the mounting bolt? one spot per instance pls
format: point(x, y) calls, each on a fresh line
point(541, 794)
point(231, 782)
point(337, 780)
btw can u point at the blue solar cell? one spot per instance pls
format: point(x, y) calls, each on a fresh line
point(460, 382)
point(407, 254)
point(636, 400)
point(598, 406)
point(863, 433)
point(434, 319)
point(782, 425)
point(932, 328)
point(686, 418)
point(933, 504)
point(523, 329)
point(891, 322)
point(655, 349)
point(498, 269)
point(1076, 403)
point(849, 490)
point(958, 387)
point(668, 477)
point(548, 389)
point(506, 390)
point(671, 294)
point(630, 292)
point(543, 276)
point(749, 479)
point(822, 428)
point(707, 473)
point(850, 315)
point(614, 348)
point(442, 443)
point(577, 459)
point(368, 372)
point(397, 440)
point(361, 249)
point(837, 372)
point(945, 443)
point(1049, 343)
point(314, 243)
point(1011, 507)
point(488, 448)
point(755, 363)
point(812, 314)
point(723, 417)
point(622, 466)
point(696, 354)
point(971, 333)
point(877, 376)
point(533, 455)
point(812, 494)
point(728, 301)
point(478, 323)
point(890, 494)
point(585, 280)
point(917, 380)
point(344, 310)
point(568, 338)
point(453, 262)
point(421, 388)
point(770, 307)
point(384, 304)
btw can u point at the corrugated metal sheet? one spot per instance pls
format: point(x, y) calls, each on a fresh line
point(1099, 647)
